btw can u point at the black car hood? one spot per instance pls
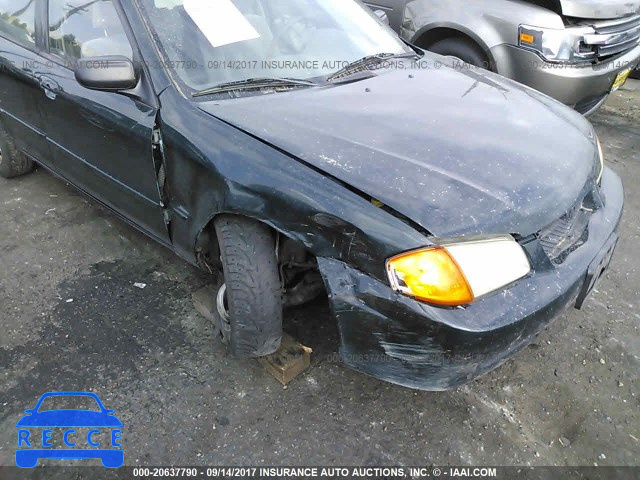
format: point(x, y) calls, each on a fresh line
point(456, 152)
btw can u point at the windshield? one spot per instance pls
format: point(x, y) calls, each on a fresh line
point(69, 402)
point(210, 42)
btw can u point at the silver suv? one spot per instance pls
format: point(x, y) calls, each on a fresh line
point(577, 51)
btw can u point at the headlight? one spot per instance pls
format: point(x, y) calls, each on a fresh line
point(457, 273)
point(601, 157)
point(565, 45)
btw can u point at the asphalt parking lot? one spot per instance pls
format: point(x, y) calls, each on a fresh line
point(72, 319)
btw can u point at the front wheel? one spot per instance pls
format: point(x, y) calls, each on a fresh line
point(464, 49)
point(249, 302)
point(12, 162)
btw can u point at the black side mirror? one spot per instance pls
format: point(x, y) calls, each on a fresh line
point(108, 73)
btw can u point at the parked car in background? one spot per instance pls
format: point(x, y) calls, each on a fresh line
point(576, 51)
point(449, 215)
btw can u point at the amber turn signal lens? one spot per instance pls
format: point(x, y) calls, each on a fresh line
point(527, 38)
point(430, 275)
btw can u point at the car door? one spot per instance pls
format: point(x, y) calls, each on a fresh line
point(20, 114)
point(393, 8)
point(100, 141)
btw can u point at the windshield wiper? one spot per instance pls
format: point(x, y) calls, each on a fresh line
point(365, 62)
point(254, 84)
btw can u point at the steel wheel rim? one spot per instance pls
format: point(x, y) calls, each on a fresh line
point(224, 314)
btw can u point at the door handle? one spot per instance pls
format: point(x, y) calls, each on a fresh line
point(50, 87)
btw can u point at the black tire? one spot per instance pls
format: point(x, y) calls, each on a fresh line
point(636, 72)
point(464, 49)
point(12, 162)
point(253, 288)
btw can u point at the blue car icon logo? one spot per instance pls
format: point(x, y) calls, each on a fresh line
point(40, 428)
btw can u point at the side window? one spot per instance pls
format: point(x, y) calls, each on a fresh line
point(17, 21)
point(82, 28)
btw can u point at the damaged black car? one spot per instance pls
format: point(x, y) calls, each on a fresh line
point(296, 148)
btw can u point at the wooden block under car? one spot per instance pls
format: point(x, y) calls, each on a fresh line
point(291, 359)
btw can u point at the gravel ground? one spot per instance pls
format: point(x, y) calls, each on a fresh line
point(72, 319)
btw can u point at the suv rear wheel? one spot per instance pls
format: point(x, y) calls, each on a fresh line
point(249, 302)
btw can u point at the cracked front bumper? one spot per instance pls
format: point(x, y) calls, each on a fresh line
point(403, 341)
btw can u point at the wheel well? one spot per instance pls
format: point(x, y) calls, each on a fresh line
point(434, 35)
point(428, 38)
point(298, 266)
point(207, 250)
